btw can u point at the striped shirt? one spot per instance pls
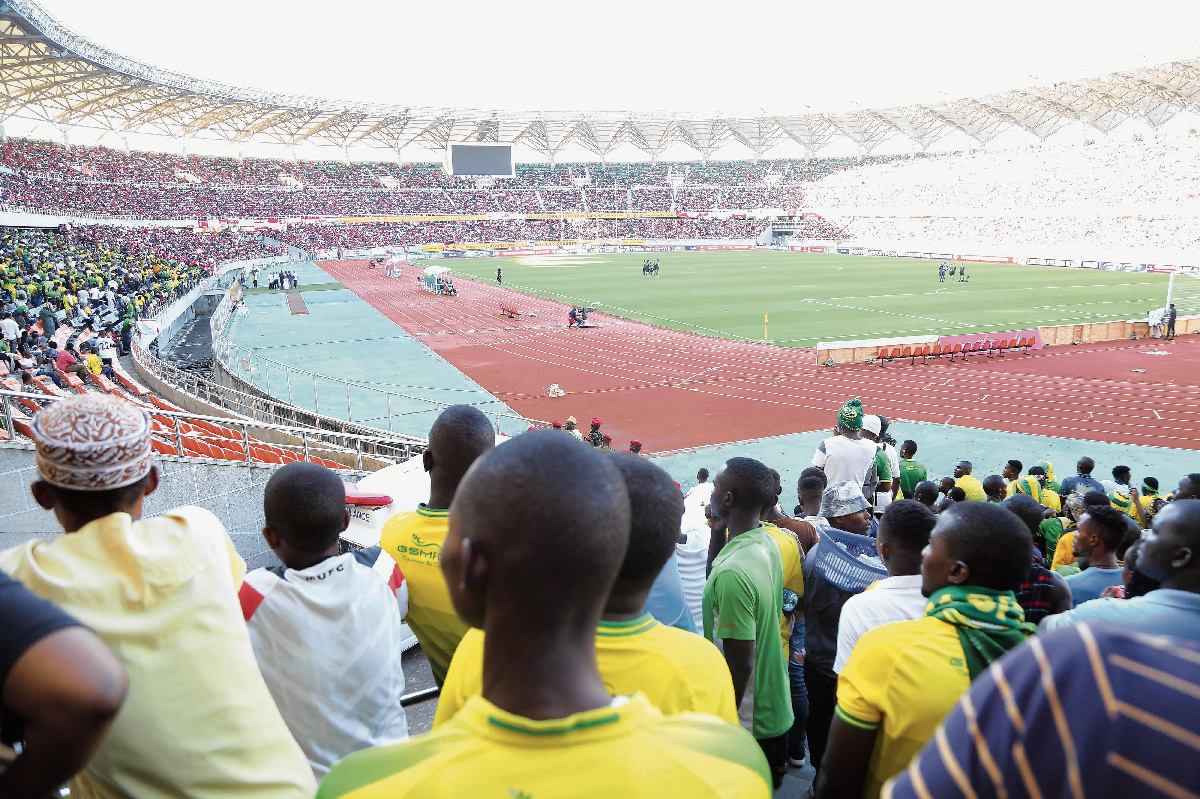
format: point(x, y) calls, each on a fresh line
point(1085, 711)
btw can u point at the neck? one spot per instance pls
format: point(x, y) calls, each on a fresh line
point(441, 491)
point(1099, 559)
point(72, 523)
point(1180, 581)
point(299, 561)
point(626, 600)
point(742, 520)
point(903, 565)
point(562, 679)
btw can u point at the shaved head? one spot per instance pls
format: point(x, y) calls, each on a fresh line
point(538, 529)
point(460, 435)
point(993, 542)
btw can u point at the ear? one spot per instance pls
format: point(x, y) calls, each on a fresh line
point(43, 494)
point(346, 521)
point(151, 482)
point(271, 537)
point(960, 574)
point(427, 461)
point(477, 571)
point(1183, 557)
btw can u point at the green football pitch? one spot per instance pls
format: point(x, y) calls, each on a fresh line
point(811, 297)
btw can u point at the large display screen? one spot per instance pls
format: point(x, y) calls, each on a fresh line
point(493, 160)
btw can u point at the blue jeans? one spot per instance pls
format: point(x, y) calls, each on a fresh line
point(799, 690)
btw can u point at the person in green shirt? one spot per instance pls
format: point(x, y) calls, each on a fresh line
point(743, 600)
point(911, 471)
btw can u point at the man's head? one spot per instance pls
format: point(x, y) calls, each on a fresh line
point(845, 507)
point(742, 484)
point(596, 422)
point(459, 436)
point(961, 469)
point(1095, 499)
point(571, 423)
point(1012, 470)
point(908, 449)
point(1100, 531)
point(995, 487)
point(635, 446)
point(1085, 465)
point(1189, 487)
point(1122, 474)
point(1027, 509)
point(957, 494)
point(702, 475)
point(778, 482)
point(655, 509)
point(1170, 550)
point(305, 509)
point(926, 492)
point(537, 533)
point(903, 533)
point(976, 543)
point(809, 489)
point(871, 427)
point(850, 416)
point(1150, 485)
point(945, 484)
point(93, 459)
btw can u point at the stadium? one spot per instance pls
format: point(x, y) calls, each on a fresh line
point(270, 280)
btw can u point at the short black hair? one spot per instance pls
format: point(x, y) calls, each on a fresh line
point(1093, 499)
point(1110, 523)
point(752, 483)
point(778, 482)
point(1151, 481)
point(1016, 464)
point(1085, 465)
point(908, 524)
point(459, 436)
point(925, 487)
point(995, 481)
point(811, 483)
point(655, 511)
point(1194, 479)
point(813, 471)
point(992, 541)
point(1121, 470)
point(702, 474)
point(1037, 471)
point(1025, 508)
point(957, 494)
point(306, 505)
point(910, 445)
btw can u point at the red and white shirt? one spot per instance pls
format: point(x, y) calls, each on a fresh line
point(328, 643)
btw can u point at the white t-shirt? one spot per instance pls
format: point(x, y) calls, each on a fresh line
point(845, 459)
point(889, 600)
point(328, 643)
point(884, 498)
point(12, 331)
point(693, 561)
point(698, 495)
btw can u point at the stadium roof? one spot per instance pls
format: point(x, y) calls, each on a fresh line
point(49, 72)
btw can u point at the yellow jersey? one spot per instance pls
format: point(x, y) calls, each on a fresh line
point(793, 578)
point(414, 540)
point(677, 671)
point(626, 749)
point(1064, 551)
point(902, 679)
point(972, 488)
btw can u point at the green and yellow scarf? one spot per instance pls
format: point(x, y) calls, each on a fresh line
point(989, 623)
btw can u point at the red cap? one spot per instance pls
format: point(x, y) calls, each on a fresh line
point(531, 429)
point(606, 437)
point(597, 421)
point(556, 424)
point(635, 443)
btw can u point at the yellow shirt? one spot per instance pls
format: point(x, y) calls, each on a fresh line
point(414, 540)
point(677, 671)
point(972, 487)
point(626, 750)
point(793, 578)
point(901, 680)
point(162, 593)
point(1064, 551)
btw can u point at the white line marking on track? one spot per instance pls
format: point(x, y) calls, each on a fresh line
point(1156, 413)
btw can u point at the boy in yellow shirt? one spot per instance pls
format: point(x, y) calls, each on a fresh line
point(537, 535)
point(903, 678)
point(677, 671)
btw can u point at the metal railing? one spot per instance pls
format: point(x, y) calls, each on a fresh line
point(270, 411)
point(379, 408)
point(348, 449)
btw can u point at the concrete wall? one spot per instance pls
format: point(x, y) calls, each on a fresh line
point(234, 492)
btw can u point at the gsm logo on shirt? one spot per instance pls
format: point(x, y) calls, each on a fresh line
point(431, 551)
point(517, 793)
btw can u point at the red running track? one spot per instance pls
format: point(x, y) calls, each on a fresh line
point(675, 390)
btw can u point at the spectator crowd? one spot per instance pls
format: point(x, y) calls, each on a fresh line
point(909, 635)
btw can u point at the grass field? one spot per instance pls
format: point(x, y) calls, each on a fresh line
point(813, 297)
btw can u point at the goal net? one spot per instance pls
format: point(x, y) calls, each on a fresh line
point(1185, 292)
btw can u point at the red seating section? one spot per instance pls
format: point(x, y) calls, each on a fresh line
point(992, 348)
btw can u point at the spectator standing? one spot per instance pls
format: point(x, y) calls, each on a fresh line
point(162, 594)
point(698, 495)
point(877, 486)
point(1171, 314)
point(1170, 554)
point(903, 678)
point(691, 551)
point(846, 455)
point(903, 534)
point(546, 724)
point(1100, 533)
point(743, 603)
point(1083, 481)
point(325, 625)
point(60, 689)
point(677, 671)
point(594, 436)
point(10, 331)
point(414, 540)
point(573, 428)
point(911, 471)
point(809, 490)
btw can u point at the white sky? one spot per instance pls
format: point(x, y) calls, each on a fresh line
point(641, 54)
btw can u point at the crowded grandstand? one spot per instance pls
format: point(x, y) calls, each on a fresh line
point(329, 608)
